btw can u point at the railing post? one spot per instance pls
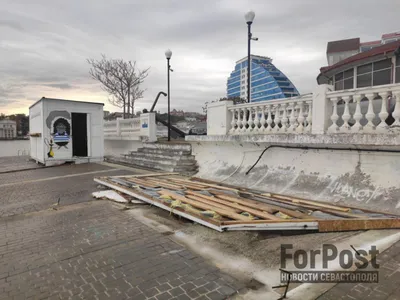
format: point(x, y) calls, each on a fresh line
point(321, 109)
point(118, 126)
point(219, 119)
point(148, 126)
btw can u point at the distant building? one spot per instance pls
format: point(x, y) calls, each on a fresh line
point(337, 51)
point(179, 113)
point(8, 129)
point(267, 81)
point(378, 66)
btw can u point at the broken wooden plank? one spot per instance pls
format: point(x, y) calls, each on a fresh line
point(205, 201)
point(208, 222)
point(256, 212)
point(182, 185)
point(216, 186)
point(165, 185)
point(303, 201)
point(203, 206)
point(143, 183)
point(262, 206)
point(318, 208)
point(146, 175)
point(267, 221)
point(363, 224)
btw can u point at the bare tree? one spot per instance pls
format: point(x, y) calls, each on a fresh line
point(120, 79)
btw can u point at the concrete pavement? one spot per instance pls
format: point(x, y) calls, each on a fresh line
point(90, 249)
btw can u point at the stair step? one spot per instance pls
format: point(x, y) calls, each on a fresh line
point(164, 151)
point(160, 160)
point(167, 156)
point(154, 165)
point(168, 146)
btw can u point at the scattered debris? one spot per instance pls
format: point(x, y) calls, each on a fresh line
point(111, 195)
point(224, 207)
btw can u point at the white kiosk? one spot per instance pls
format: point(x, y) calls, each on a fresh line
point(66, 130)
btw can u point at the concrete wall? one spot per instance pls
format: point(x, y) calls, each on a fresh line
point(358, 178)
point(118, 147)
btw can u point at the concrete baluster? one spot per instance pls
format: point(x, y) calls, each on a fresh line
point(346, 115)
point(277, 119)
point(257, 119)
point(334, 127)
point(244, 120)
point(300, 118)
point(370, 127)
point(357, 127)
point(262, 121)
point(396, 112)
point(292, 118)
point(269, 119)
point(383, 126)
point(285, 119)
point(251, 120)
point(309, 116)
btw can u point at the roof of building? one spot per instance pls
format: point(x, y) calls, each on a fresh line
point(255, 57)
point(343, 45)
point(371, 43)
point(55, 99)
point(384, 49)
point(390, 35)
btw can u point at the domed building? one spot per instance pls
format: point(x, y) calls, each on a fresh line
point(267, 81)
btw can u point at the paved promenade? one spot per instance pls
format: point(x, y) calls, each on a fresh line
point(90, 249)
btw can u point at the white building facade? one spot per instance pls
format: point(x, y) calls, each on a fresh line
point(8, 129)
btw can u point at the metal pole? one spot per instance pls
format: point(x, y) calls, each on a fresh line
point(169, 99)
point(248, 61)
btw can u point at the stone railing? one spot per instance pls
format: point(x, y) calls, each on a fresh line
point(369, 110)
point(322, 112)
point(275, 116)
point(139, 128)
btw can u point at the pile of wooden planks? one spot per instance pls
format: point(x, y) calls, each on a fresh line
point(224, 207)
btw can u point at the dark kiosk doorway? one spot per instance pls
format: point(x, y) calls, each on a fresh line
point(79, 134)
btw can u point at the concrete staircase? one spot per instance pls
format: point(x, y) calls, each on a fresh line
point(161, 156)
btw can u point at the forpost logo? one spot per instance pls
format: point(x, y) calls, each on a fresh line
point(316, 266)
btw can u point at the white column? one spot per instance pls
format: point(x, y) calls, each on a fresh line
point(383, 126)
point(300, 118)
point(219, 118)
point(251, 120)
point(321, 109)
point(148, 126)
point(277, 119)
point(370, 127)
point(284, 120)
point(257, 118)
point(292, 118)
point(346, 115)
point(357, 127)
point(262, 121)
point(334, 128)
point(396, 113)
point(269, 118)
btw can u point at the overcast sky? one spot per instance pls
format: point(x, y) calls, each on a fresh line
point(44, 43)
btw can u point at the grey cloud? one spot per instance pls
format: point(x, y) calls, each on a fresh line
point(62, 86)
point(11, 24)
point(45, 44)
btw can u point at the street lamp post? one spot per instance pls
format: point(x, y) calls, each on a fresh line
point(249, 17)
point(168, 55)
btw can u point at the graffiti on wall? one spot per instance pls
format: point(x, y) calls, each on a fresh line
point(59, 124)
point(359, 194)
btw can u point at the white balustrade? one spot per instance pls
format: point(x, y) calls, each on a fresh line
point(291, 115)
point(365, 110)
point(132, 129)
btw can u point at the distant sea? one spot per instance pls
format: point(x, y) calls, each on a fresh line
point(14, 147)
